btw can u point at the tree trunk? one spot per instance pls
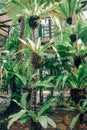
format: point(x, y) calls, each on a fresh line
point(20, 46)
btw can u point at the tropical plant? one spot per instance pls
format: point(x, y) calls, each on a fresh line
point(65, 51)
point(79, 79)
point(11, 79)
point(13, 42)
point(82, 109)
point(32, 10)
point(2, 5)
point(24, 115)
point(66, 9)
point(38, 51)
point(81, 30)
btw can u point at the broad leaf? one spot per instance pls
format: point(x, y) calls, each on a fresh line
point(23, 100)
point(46, 106)
point(15, 117)
point(59, 79)
point(51, 122)
point(22, 78)
point(75, 119)
point(43, 121)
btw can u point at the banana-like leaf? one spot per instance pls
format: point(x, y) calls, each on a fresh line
point(15, 117)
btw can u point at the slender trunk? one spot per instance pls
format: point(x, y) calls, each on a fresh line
point(41, 90)
point(34, 91)
point(20, 46)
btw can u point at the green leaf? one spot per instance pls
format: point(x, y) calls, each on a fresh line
point(64, 80)
point(15, 117)
point(23, 100)
point(32, 114)
point(51, 122)
point(64, 8)
point(25, 118)
point(59, 79)
point(46, 106)
point(22, 78)
point(43, 121)
point(45, 83)
point(72, 4)
point(75, 119)
point(72, 82)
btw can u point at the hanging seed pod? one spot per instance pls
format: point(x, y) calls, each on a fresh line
point(34, 21)
point(69, 20)
point(77, 61)
point(73, 37)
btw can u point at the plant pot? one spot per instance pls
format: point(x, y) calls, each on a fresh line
point(34, 21)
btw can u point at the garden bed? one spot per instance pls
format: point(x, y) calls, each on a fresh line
point(62, 119)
